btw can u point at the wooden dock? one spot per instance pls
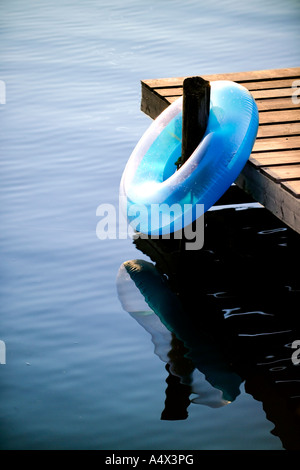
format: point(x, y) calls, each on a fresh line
point(272, 173)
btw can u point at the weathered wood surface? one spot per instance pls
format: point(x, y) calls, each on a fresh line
point(272, 174)
point(195, 112)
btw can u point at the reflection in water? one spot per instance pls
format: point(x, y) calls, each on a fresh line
point(177, 341)
point(223, 315)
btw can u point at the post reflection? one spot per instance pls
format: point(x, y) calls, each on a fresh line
point(222, 316)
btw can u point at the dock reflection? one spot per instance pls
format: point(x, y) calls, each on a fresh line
point(225, 315)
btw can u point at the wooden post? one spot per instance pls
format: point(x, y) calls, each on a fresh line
point(195, 111)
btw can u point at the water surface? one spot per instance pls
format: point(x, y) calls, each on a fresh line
point(80, 372)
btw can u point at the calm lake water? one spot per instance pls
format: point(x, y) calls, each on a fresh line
point(88, 364)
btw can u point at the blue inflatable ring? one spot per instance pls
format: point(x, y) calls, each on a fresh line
point(151, 179)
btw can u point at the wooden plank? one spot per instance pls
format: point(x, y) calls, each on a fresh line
point(275, 104)
point(276, 93)
point(277, 130)
point(279, 116)
point(169, 91)
point(261, 82)
point(277, 143)
point(282, 172)
point(269, 84)
point(275, 158)
point(152, 104)
point(262, 105)
point(235, 76)
point(281, 202)
point(292, 187)
point(257, 94)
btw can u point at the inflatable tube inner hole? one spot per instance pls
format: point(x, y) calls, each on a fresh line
point(170, 166)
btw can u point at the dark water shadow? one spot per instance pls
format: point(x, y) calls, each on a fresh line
point(224, 315)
